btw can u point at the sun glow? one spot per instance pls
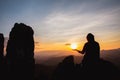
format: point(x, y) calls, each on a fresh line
point(73, 46)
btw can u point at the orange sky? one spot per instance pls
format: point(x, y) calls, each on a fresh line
point(104, 45)
point(59, 22)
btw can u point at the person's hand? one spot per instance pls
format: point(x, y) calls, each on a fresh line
point(74, 49)
point(77, 51)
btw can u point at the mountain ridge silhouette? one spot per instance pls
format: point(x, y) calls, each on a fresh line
point(106, 55)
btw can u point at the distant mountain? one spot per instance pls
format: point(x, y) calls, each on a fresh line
point(56, 60)
point(112, 56)
point(105, 71)
point(109, 55)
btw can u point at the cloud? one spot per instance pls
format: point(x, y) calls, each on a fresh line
point(66, 21)
point(60, 26)
point(67, 44)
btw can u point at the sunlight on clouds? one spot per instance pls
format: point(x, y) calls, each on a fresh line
point(64, 27)
point(58, 22)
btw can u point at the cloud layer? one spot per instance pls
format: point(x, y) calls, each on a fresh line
point(65, 21)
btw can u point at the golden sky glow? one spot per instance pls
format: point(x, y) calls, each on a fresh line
point(73, 46)
point(58, 22)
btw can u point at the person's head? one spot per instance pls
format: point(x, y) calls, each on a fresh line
point(90, 37)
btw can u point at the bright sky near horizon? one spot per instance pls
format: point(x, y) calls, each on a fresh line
point(60, 22)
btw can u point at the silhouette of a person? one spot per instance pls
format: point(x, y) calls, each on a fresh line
point(91, 50)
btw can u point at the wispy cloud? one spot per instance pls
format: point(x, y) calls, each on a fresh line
point(66, 25)
point(65, 21)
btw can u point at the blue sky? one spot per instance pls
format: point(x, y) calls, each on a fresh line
point(64, 21)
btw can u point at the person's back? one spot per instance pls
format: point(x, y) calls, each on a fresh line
point(91, 50)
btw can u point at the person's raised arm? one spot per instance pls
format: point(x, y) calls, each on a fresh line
point(78, 51)
point(83, 50)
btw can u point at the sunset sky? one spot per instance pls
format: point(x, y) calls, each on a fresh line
point(60, 22)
